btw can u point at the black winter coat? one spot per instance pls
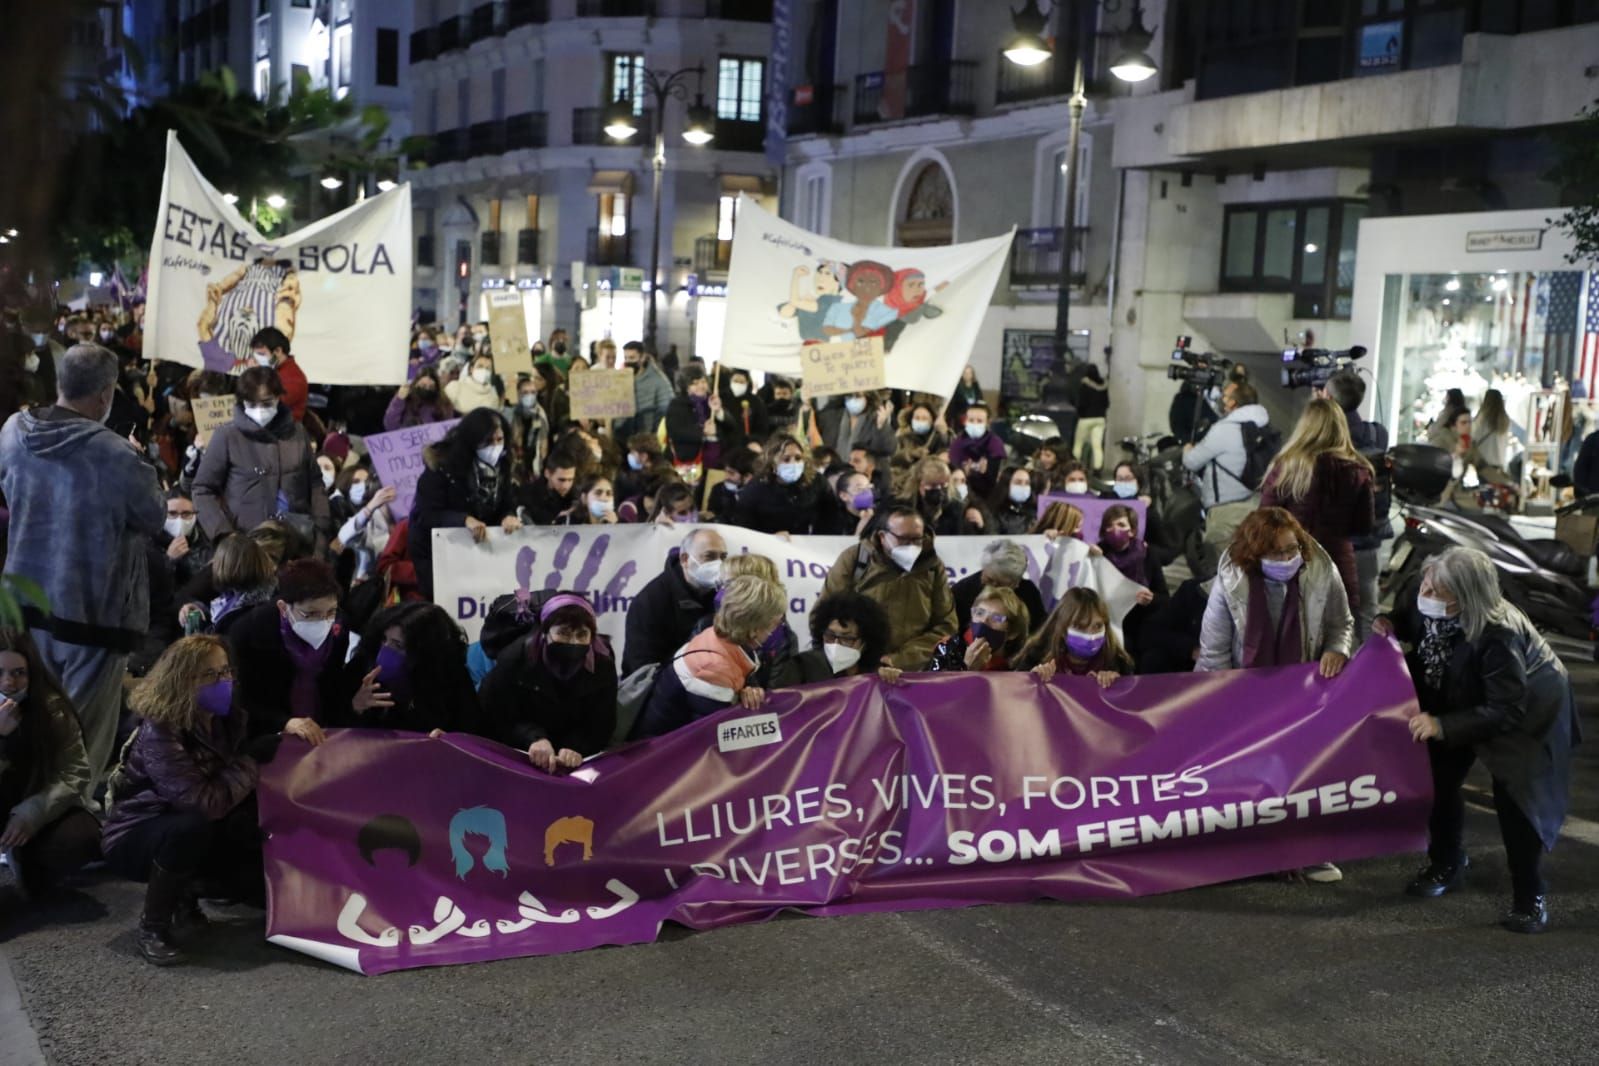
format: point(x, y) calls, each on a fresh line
point(769, 506)
point(445, 497)
point(453, 709)
point(524, 702)
point(1506, 695)
point(264, 675)
point(663, 616)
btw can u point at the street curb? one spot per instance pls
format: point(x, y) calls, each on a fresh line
point(19, 1044)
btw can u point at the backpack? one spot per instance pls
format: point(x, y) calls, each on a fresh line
point(631, 694)
point(1261, 445)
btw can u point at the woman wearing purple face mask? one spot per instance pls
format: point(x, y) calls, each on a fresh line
point(1277, 600)
point(1120, 543)
point(1078, 640)
point(857, 504)
point(782, 645)
point(411, 663)
point(184, 795)
point(999, 628)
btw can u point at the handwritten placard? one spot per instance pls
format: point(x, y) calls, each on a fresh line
point(209, 413)
point(508, 332)
point(398, 459)
point(843, 367)
point(601, 394)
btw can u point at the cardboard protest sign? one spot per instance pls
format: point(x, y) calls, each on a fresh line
point(209, 413)
point(398, 459)
point(842, 368)
point(601, 394)
point(508, 333)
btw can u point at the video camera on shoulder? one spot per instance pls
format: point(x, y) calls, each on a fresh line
point(1203, 370)
point(1313, 366)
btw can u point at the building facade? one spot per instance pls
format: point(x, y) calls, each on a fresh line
point(1224, 198)
point(523, 189)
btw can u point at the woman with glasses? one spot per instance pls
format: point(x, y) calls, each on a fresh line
point(849, 634)
point(999, 627)
point(415, 656)
point(291, 656)
point(183, 799)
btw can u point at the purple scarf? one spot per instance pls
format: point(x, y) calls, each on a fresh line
point(1285, 647)
point(305, 698)
point(1130, 560)
point(537, 648)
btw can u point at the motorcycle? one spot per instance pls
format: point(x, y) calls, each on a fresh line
point(1543, 577)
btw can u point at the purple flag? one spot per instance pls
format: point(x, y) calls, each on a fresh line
point(389, 851)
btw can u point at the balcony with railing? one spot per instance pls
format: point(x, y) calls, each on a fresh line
point(527, 130)
point(917, 91)
point(1018, 83)
point(606, 249)
point(424, 44)
point(608, 9)
point(588, 127)
point(820, 110)
point(451, 34)
point(447, 146)
point(527, 246)
point(1035, 258)
point(486, 21)
point(712, 256)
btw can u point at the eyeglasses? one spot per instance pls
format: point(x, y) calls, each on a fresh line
point(208, 677)
point(315, 616)
point(831, 637)
point(182, 514)
point(979, 615)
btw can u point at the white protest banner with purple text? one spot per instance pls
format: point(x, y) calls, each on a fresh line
point(612, 564)
point(399, 458)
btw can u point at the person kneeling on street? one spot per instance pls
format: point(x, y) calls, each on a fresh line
point(43, 770)
point(183, 799)
point(1078, 640)
point(413, 656)
point(997, 632)
point(552, 692)
point(713, 670)
point(1490, 687)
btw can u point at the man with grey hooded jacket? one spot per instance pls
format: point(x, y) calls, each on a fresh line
point(84, 503)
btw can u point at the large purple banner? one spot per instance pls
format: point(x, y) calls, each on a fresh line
point(388, 851)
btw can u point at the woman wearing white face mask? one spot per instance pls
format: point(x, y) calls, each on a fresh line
point(475, 388)
point(467, 483)
point(1074, 479)
point(595, 504)
point(861, 421)
point(786, 496)
point(1277, 600)
point(1490, 687)
point(747, 417)
point(370, 524)
point(260, 465)
point(849, 634)
point(1015, 504)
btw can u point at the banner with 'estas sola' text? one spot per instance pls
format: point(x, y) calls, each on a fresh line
point(848, 796)
point(339, 289)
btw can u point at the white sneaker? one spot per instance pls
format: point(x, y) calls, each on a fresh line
point(11, 875)
point(1322, 873)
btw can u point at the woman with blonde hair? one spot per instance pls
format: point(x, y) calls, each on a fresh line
point(999, 628)
point(1327, 485)
point(1059, 520)
point(1491, 439)
point(713, 670)
point(183, 799)
point(1078, 639)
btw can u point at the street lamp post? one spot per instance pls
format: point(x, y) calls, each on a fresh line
point(1030, 48)
point(700, 131)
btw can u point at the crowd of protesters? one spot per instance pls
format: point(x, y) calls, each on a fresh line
point(203, 601)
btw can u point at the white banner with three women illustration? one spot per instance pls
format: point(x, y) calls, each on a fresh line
point(788, 288)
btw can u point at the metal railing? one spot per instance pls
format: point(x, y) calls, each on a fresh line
point(920, 90)
point(823, 113)
point(738, 136)
point(1018, 83)
point(615, 8)
point(1035, 257)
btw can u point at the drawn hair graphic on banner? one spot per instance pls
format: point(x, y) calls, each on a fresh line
point(942, 790)
point(788, 288)
point(339, 289)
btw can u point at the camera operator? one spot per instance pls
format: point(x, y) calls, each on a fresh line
point(1219, 460)
point(1347, 389)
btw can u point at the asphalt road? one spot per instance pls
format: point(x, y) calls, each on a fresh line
point(1251, 972)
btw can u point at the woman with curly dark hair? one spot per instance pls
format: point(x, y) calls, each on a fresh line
point(467, 483)
point(416, 655)
point(849, 632)
point(787, 495)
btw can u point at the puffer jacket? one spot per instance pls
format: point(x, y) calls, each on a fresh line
point(246, 468)
point(46, 792)
point(83, 507)
point(1325, 623)
point(919, 602)
point(166, 772)
point(705, 676)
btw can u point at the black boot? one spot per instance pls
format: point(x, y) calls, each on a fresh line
point(1436, 878)
point(1530, 916)
point(189, 918)
point(162, 898)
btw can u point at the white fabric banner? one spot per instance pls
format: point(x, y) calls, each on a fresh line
point(787, 288)
point(340, 288)
point(611, 564)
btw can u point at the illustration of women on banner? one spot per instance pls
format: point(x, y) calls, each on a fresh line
point(861, 299)
point(260, 294)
